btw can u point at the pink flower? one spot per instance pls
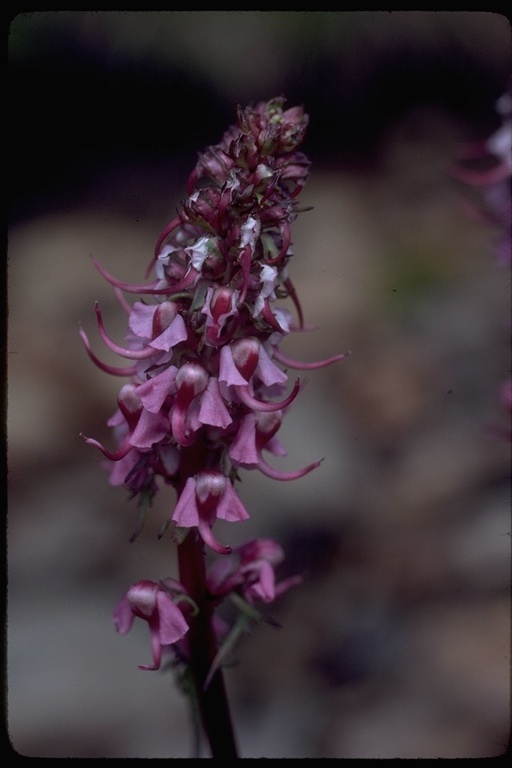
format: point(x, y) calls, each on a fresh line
point(151, 602)
point(205, 498)
point(220, 305)
point(250, 570)
point(161, 324)
point(138, 427)
point(245, 363)
point(256, 432)
point(191, 380)
point(154, 391)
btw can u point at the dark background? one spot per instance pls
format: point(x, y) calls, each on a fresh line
point(397, 645)
point(95, 89)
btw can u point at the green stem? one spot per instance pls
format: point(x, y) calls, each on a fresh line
point(202, 645)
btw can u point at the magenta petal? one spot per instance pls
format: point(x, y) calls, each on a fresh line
point(193, 422)
point(185, 513)
point(213, 410)
point(156, 647)
point(230, 507)
point(228, 372)
point(264, 588)
point(172, 622)
point(243, 448)
point(141, 319)
point(220, 574)
point(150, 429)
point(170, 458)
point(123, 616)
point(283, 586)
point(260, 549)
point(182, 433)
point(172, 335)
point(116, 419)
point(154, 391)
point(267, 371)
point(275, 446)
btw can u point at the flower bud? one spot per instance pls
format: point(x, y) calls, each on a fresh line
point(130, 404)
point(191, 379)
point(210, 486)
point(246, 354)
point(164, 315)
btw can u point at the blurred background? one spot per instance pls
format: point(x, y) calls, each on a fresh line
point(397, 644)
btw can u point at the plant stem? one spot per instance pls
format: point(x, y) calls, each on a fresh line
point(202, 645)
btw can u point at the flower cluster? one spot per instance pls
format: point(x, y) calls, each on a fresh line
point(249, 571)
point(207, 384)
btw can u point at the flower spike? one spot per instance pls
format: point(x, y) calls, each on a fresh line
point(206, 392)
